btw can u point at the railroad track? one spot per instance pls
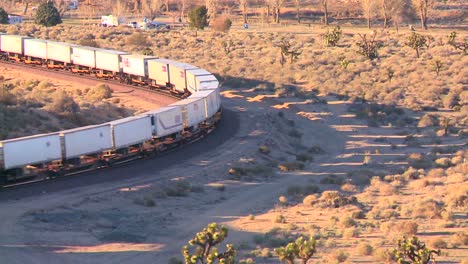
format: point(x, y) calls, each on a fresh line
point(160, 91)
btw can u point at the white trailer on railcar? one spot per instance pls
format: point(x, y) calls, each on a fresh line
point(158, 71)
point(35, 48)
point(177, 71)
point(84, 56)
point(12, 43)
point(131, 131)
point(192, 75)
point(136, 64)
point(109, 60)
point(24, 151)
point(166, 120)
point(60, 52)
point(86, 140)
point(211, 99)
point(193, 111)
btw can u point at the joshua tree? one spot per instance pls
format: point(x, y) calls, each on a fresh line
point(413, 251)
point(302, 249)
point(332, 38)
point(416, 41)
point(369, 47)
point(206, 250)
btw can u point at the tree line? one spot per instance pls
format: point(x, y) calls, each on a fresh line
point(389, 11)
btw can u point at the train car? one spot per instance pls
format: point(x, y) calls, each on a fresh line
point(84, 59)
point(166, 121)
point(59, 54)
point(192, 78)
point(158, 72)
point(177, 71)
point(135, 66)
point(35, 51)
point(86, 140)
point(211, 99)
point(109, 63)
point(193, 112)
point(19, 152)
point(131, 131)
point(12, 46)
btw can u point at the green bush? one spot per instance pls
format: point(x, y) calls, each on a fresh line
point(3, 16)
point(47, 15)
point(198, 17)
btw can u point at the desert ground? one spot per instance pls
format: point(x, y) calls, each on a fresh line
point(353, 152)
point(149, 217)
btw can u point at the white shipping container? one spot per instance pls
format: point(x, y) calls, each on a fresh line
point(12, 43)
point(158, 70)
point(207, 82)
point(166, 120)
point(36, 48)
point(109, 60)
point(193, 111)
point(131, 130)
point(84, 56)
point(192, 77)
point(177, 74)
point(136, 64)
point(211, 100)
point(19, 152)
point(60, 51)
point(86, 140)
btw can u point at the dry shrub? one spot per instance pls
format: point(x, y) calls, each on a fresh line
point(384, 255)
point(409, 228)
point(410, 174)
point(351, 232)
point(436, 173)
point(301, 191)
point(346, 222)
point(137, 39)
point(426, 209)
point(221, 23)
point(280, 219)
point(381, 187)
point(438, 243)
point(349, 187)
point(290, 166)
point(335, 199)
point(459, 239)
point(365, 249)
point(428, 121)
point(100, 92)
point(339, 256)
point(419, 161)
point(457, 196)
point(310, 200)
point(443, 163)
point(283, 200)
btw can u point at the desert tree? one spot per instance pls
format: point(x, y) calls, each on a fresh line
point(369, 47)
point(47, 15)
point(198, 17)
point(206, 251)
point(151, 8)
point(3, 16)
point(369, 8)
point(331, 38)
point(302, 249)
point(416, 41)
point(243, 5)
point(289, 49)
point(413, 251)
point(298, 5)
point(397, 11)
point(452, 41)
point(423, 7)
point(277, 5)
point(324, 4)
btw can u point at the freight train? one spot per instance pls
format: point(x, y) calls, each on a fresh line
point(58, 153)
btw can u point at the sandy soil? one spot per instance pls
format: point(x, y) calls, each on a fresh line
point(108, 222)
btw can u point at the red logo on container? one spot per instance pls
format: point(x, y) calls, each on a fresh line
point(182, 74)
point(164, 68)
point(126, 62)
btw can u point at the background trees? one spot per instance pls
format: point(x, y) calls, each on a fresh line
point(423, 7)
point(198, 17)
point(47, 15)
point(3, 16)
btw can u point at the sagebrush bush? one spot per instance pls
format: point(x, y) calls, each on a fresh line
point(365, 249)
